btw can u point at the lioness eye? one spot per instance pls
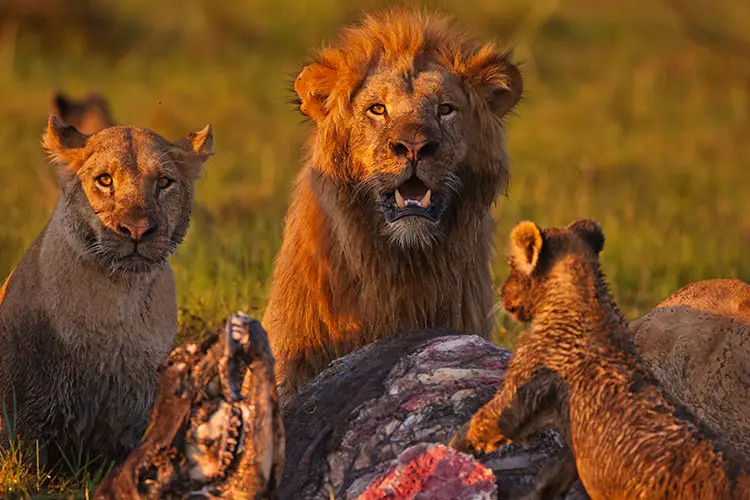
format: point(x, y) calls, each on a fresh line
point(164, 182)
point(445, 109)
point(104, 181)
point(377, 109)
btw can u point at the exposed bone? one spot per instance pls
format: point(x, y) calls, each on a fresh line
point(216, 430)
point(367, 409)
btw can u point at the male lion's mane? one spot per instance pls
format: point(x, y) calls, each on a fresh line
point(337, 283)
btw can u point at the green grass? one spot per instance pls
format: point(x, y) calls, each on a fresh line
point(635, 114)
point(21, 475)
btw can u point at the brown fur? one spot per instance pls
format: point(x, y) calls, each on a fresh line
point(89, 312)
point(346, 275)
point(628, 440)
point(88, 115)
point(697, 344)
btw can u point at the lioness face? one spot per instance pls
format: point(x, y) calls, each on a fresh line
point(407, 144)
point(129, 191)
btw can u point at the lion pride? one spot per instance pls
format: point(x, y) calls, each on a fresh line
point(389, 227)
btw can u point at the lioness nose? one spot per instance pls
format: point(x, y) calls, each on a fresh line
point(414, 151)
point(137, 230)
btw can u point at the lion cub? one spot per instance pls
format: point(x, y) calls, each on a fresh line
point(89, 312)
point(577, 369)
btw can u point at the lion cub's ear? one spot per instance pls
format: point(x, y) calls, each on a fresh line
point(590, 232)
point(64, 144)
point(313, 86)
point(193, 150)
point(525, 246)
point(496, 79)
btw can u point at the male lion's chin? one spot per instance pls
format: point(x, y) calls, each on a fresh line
point(413, 232)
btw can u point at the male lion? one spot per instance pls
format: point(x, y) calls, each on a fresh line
point(90, 312)
point(389, 227)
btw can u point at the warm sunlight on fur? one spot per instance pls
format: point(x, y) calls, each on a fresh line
point(390, 224)
point(90, 310)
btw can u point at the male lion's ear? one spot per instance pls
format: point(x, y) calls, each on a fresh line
point(590, 232)
point(496, 79)
point(525, 246)
point(193, 150)
point(313, 86)
point(64, 143)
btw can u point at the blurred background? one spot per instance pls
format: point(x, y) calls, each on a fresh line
point(635, 114)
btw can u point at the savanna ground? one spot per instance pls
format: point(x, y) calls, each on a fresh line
point(635, 114)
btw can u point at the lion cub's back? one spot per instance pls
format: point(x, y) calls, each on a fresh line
point(697, 343)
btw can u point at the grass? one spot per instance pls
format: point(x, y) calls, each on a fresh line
point(635, 114)
point(21, 475)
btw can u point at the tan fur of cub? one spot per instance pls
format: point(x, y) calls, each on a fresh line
point(577, 370)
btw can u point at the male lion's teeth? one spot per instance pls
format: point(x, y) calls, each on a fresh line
point(400, 200)
point(426, 199)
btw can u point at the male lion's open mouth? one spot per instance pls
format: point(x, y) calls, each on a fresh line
point(412, 199)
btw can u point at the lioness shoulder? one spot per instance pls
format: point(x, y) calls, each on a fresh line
point(697, 343)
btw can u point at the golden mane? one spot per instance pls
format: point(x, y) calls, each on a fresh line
point(406, 40)
point(339, 282)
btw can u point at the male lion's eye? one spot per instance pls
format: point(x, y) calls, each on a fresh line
point(377, 109)
point(104, 181)
point(445, 109)
point(164, 182)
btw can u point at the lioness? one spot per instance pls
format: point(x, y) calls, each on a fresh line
point(390, 227)
point(89, 115)
point(89, 312)
point(697, 343)
point(576, 368)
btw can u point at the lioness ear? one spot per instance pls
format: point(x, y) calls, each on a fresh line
point(496, 79)
point(590, 232)
point(525, 246)
point(313, 86)
point(63, 143)
point(193, 150)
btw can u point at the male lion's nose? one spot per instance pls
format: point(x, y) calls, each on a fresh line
point(137, 229)
point(414, 151)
